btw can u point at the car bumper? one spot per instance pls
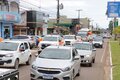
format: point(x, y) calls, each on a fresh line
point(61, 76)
point(9, 62)
point(86, 60)
point(97, 45)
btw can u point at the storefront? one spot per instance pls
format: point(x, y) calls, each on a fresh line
point(7, 20)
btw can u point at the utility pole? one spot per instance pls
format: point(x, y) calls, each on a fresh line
point(79, 14)
point(58, 11)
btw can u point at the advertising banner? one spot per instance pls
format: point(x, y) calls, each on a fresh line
point(113, 9)
point(9, 17)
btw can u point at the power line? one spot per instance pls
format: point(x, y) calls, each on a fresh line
point(51, 12)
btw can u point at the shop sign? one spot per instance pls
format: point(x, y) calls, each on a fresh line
point(9, 17)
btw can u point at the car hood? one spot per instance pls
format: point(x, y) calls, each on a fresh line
point(100, 42)
point(84, 52)
point(51, 63)
point(49, 42)
point(69, 40)
point(6, 52)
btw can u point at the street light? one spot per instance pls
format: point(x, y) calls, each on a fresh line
point(79, 14)
point(58, 11)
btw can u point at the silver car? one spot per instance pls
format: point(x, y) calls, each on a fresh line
point(86, 51)
point(69, 39)
point(56, 63)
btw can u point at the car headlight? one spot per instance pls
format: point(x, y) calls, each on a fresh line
point(9, 55)
point(87, 55)
point(34, 67)
point(66, 69)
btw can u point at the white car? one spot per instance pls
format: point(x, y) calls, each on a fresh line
point(28, 38)
point(56, 63)
point(98, 41)
point(86, 51)
point(50, 40)
point(13, 53)
point(69, 39)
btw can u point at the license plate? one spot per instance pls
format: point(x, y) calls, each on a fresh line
point(47, 76)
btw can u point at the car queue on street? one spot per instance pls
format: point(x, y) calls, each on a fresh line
point(58, 58)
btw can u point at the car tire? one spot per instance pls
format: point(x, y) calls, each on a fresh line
point(93, 61)
point(101, 46)
point(16, 65)
point(72, 76)
point(90, 64)
point(29, 60)
point(32, 79)
point(78, 74)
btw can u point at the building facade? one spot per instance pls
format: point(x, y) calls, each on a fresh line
point(33, 23)
point(9, 15)
point(73, 23)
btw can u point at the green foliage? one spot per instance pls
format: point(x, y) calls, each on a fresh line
point(115, 49)
point(116, 30)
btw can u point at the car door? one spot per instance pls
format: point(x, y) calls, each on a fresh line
point(93, 51)
point(76, 62)
point(22, 53)
point(26, 52)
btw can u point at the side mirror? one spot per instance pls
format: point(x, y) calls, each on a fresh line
point(76, 58)
point(21, 49)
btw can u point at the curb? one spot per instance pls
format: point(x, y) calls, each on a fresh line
point(111, 69)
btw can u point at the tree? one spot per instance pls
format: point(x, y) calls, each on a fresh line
point(116, 31)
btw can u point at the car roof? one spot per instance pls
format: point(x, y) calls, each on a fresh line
point(59, 47)
point(14, 41)
point(52, 36)
point(69, 35)
point(84, 42)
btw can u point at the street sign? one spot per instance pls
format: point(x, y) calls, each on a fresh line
point(113, 9)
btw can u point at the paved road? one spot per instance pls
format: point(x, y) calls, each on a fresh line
point(96, 72)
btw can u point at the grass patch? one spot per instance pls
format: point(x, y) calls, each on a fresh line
point(115, 49)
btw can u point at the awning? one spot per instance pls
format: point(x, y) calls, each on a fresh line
point(64, 24)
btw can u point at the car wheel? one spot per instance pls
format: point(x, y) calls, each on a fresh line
point(90, 64)
point(72, 76)
point(93, 61)
point(16, 65)
point(29, 61)
point(101, 46)
point(32, 79)
point(78, 74)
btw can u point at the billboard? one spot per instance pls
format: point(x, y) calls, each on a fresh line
point(113, 9)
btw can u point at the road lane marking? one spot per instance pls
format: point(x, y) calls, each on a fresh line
point(103, 53)
point(111, 76)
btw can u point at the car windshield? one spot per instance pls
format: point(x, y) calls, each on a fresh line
point(55, 54)
point(50, 38)
point(8, 46)
point(82, 46)
point(98, 39)
point(69, 37)
point(20, 37)
point(82, 34)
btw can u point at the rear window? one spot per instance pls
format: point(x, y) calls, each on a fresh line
point(20, 37)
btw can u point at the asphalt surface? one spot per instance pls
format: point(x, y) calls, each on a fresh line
point(96, 72)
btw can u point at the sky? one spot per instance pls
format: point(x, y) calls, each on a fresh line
point(93, 9)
